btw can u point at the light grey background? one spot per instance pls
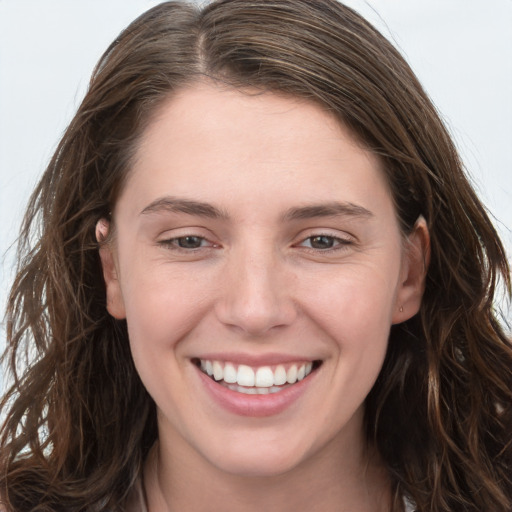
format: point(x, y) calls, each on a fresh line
point(460, 49)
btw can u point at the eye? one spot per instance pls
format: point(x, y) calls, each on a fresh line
point(324, 242)
point(187, 242)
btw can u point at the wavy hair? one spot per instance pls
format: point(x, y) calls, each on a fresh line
point(78, 421)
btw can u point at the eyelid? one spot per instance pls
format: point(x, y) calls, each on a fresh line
point(332, 233)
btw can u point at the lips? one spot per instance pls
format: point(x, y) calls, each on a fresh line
point(252, 380)
point(255, 390)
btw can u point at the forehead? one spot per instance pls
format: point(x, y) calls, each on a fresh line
point(212, 112)
point(217, 143)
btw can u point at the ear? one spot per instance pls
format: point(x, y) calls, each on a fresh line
point(415, 263)
point(115, 303)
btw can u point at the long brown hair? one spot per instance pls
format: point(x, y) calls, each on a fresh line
point(78, 422)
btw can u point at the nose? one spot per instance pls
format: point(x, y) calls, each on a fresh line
point(256, 293)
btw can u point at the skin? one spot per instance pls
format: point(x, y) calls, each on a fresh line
point(258, 284)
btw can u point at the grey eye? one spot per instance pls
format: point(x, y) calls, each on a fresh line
point(189, 242)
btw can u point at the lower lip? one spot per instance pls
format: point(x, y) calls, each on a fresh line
point(255, 405)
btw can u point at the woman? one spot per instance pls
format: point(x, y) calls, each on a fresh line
point(262, 281)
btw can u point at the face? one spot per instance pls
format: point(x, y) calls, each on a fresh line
point(258, 262)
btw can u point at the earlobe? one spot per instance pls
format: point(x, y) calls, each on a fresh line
point(414, 270)
point(115, 303)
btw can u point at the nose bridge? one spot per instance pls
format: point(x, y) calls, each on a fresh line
point(255, 296)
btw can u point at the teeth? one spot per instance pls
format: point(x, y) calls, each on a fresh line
point(245, 376)
point(260, 380)
point(218, 372)
point(230, 373)
point(253, 391)
point(264, 377)
point(291, 375)
point(280, 375)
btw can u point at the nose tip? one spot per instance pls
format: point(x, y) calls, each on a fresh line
point(256, 317)
point(256, 300)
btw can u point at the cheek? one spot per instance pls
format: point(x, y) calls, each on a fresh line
point(353, 302)
point(355, 309)
point(162, 306)
point(355, 312)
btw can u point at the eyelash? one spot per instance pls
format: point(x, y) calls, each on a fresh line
point(173, 243)
point(341, 243)
point(337, 242)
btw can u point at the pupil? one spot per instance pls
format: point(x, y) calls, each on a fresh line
point(189, 242)
point(322, 242)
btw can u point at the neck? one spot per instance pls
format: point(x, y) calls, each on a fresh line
point(326, 483)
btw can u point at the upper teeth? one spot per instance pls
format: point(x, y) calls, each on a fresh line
point(263, 376)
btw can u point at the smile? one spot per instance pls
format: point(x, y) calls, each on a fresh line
point(261, 380)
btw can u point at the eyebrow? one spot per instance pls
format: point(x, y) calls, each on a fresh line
point(188, 206)
point(331, 209)
point(202, 209)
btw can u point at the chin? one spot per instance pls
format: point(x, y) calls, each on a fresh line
point(256, 462)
